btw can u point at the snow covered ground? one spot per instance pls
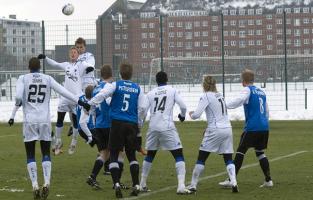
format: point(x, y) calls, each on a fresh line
point(275, 93)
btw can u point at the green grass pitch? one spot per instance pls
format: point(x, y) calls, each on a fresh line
point(290, 145)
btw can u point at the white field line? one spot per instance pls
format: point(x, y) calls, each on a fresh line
point(4, 136)
point(213, 176)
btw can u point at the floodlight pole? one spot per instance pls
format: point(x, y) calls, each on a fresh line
point(161, 40)
point(223, 53)
point(286, 73)
point(43, 44)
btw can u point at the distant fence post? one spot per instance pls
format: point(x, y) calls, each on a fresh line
point(223, 53)
point(43, 44)
point(285, 47)
point(306, 98)
point(161, 40)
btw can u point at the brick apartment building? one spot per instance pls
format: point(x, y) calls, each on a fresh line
point(253, 36)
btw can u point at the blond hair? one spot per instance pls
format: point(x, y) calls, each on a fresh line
point(247, 76)
point(209, 84)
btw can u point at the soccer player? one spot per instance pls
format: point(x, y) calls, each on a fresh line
point(256, 130)
point(74, 72)
point(33, 93)
point(162, 132)
point(218, 136)
point(102, 127)
point(89, 76)
point(126, 107)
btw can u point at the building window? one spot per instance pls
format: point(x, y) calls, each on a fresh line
point(250, 22)
point(259, 52)
point(179, 24)
point(226, 43)
point(279, 21)
point(180, 34)
point(306, 41)
point(258, 22)
point(233, 43)
point(225, 33)
point(188, 25)
point(205, 44)
point(225, 23)
point(296, 10)
point(279, 31)
point(24, 50)
point(251, 42)
point(242, 44)
point(23, 40)
point(297, 43)
point(125, 36)
point(215, 38)
point(233, 22)
point(197, 24)
point(279, 11)
point(258, 32)
point(14, 40)
point(171, 34)
point(225, 12)
point(242, 23)
point(297, 32)
point(205, 54)
point(279, 42)
point(117, 46)
point(14, 49)
point(288, 10)
point(116, 27)
point(251, 12)
point(125, 46)
point(188, 35)
point(179, 44)
point(151, 25)
point(306, 10)
point(204, 23)
point(306, 20)
point(23, 32)
point(143, 25)
point(259, 42)
point(117, 36)
point(215, 48)
point(250, 32)
point(144, 45)
point(143, 35)
point(188, 45)
point(232, 12)
point(269, 47)
point(242, 34)
point(214, 28)
point(151, 35)
point(14, 31)
point(233, 33)
point(242, 12)
point(288, 31)
point(269, 16)
point(205, 33)
point(269, 37)
point(288, 21)
point(171, 24)
point(306, 31)
point(197, 44)
point(269, 26)
point(296, 22)
point(197, 54)
point(214, 18)
point(33, 50)
point(152, 45)
point(259, 11)
point(197, 34)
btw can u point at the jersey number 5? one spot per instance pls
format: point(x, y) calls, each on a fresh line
point(125, 102)
point(36, 90)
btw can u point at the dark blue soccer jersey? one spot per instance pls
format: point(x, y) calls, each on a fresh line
point(124, 103)
point(90, 123)
point(103, 119)
point(255, 111)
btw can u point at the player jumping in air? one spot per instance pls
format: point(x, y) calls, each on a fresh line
point(218, 137)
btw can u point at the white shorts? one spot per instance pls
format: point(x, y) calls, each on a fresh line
point(36, 131)
point(217, 141)
point(66, 106)
point(166, 140)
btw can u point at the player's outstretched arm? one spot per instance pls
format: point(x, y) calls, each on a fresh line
point(15, 109)
point(240, 100)
point(53, 63)
point(105, 93)
point(62, 91)
point(203, 103)
point(19, 91)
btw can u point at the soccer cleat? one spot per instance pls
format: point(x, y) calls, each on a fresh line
point(135, 190)
point(58, 146)
point(235, 188)
point(192, 189)
point(70, 131)
point(36, 193)
point(118, 191)
point(267, 184)
point(45, 192)
point(144, 189)
point(93, 183)
point(225, 184)
point(183, 191)
point(71, 149)
point(58, 151)
point(123, 186)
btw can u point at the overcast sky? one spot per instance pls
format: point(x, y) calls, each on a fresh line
point(37, 10)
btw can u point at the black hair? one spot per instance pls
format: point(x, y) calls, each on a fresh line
point(34, 64)
point(161, 78)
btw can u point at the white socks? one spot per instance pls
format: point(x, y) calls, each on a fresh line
point(181, 172)
point(32, 171)
point(46, 169)
point(58, 132)
point(74, 137)
point(196, 174)
point(231, 173)
point(146, 166)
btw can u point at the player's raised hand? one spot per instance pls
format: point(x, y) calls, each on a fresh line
point(181, 118)
point(41, 56)
point(11, 122)
point(85, 105)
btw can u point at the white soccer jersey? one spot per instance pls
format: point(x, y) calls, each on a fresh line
point(215, 109)
point(33, 91)
point(74, 73)
point(161, 101)
point(88, 78)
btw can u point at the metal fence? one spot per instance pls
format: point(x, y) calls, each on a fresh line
point(287, 72)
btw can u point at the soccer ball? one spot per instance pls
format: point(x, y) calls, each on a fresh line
point(68, 9)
